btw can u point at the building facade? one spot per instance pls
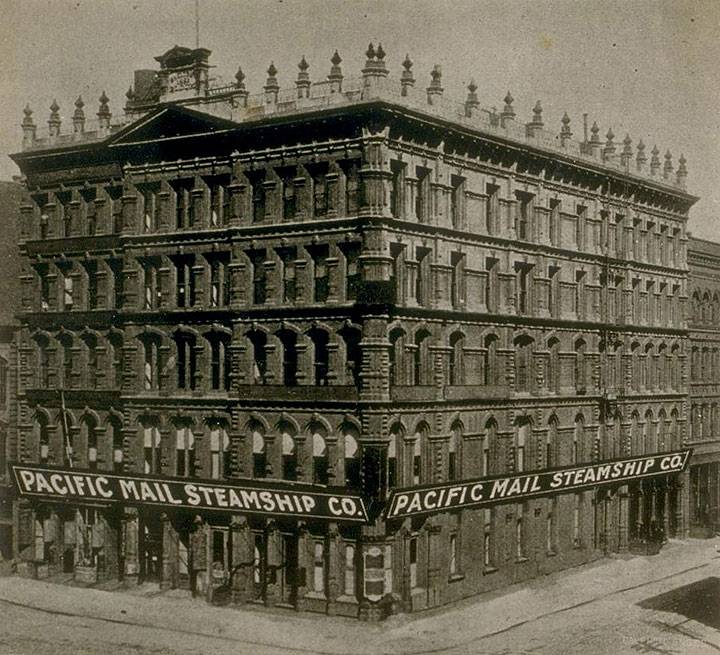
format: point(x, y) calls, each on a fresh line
point(704, 324)
point(353, 283)
point(10, 197)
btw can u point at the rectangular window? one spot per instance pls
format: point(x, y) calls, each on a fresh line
point(553, 299)
point(422, 197)
point(487, 538)
point(457, 279)
point(397, 188)
point(457, 201)
point(577, 509)
point(67, 291)
point(320, 193)
point(319, 567)
point(523, 215)
point(520, 533)
point(580, 227)
point(352, 271)
point(257, 257)
point(492, 208)
point(580, 304)
point(288, 256)
point(320, 273)
point(491, 284)
point(413, 546)
point(524, 288)
point(422, 276)
point(92, 284)
point(219, 288)
point(554, 226)
point(289, 198)
point(453, 554)
point(258, 197)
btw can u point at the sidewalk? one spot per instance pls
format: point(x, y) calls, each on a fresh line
point(458, 625)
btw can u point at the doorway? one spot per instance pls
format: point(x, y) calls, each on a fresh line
point(151, 548)
point(289, 569)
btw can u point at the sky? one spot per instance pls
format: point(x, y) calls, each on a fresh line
point(649, 68)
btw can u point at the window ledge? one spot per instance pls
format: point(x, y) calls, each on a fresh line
point(456, 577)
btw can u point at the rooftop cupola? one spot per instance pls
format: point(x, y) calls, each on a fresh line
point(471, 102)
point(640, 157)
point(407, 81)
point(54, 121)
point(104, 113)
point(565, 132)
point(536, 124)
point(682, 172)
point(271, 87)
point(609, 149)
point(654, 161)
point(79, 116)
point(626, 154)
point(435, 90)
point(302, 83)
point(668, 166)
point(28, 127)
point(508, 113)
point(336, 76)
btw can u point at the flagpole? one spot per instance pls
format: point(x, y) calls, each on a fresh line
point(66, 431)
point(197, 24)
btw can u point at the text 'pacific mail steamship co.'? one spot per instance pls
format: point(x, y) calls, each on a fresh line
point(289, 500)
point(499, 489)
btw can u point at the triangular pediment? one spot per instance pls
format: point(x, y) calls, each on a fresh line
point(170, 122)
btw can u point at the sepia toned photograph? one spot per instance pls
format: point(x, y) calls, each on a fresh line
point(360, 327)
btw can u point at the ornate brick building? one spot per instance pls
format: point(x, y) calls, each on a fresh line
point(355, 283)
point(704, 324)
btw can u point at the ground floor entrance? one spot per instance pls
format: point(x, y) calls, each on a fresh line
point(705, 499)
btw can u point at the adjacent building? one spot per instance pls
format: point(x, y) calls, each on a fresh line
point(354, 283)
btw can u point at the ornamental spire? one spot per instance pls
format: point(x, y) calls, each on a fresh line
point(79, 116)
point(54, 120)
point(435, 89)
point(336, 76)
point(407, 80)
point(565, 132)
point(302, 83)
point(471, 102)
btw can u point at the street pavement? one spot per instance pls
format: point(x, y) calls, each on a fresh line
point(593, 610)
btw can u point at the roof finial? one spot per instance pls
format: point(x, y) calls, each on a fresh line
point(508, 113)
point(28, 127)
point(435, 88)
point(374, 70)
point(335, 77)
point(407, 80)
point(609, 149)
point(54, 120)
point(303, 79)
point(536, 124)
point(668, 167)
point(626, 154)
point(654, 161)
point(79, 116)
point(271, 87)
point(682, 172)
point(240, 91)
point(471, 102)
point(594, 144)
point(641, 157)
point(565, 132)
point(103, 113)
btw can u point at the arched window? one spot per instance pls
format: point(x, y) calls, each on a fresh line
point(523, 363)
point(219, 361)
point(151, 363)
point(551, 442)
point(397, 357)
point(43, 435)
point(115, 359)
point(186, 345)
point(352, 456)
point(258, 341)
point(115, 436)
point(89, 428)
point(64, 426)
point(648, 439)
point(421, 363)
point(90, 344)
point(353, 356)
point(457, 359)
point(321, 356)
point(581, 381)
point(490, 367)
point(220, 462)
point(392, 456)
point(43, 360)
point(523, 429)
point(320, 454)
point(578, 439)
point(66, 342)
point(184, 450)
point(151, 443)
point(288, 339)
point(289, 451)
point(553, 372)
point(454, 454)
point(419, 462)
point(257, 434)
point(489, 446)
point(661, 431)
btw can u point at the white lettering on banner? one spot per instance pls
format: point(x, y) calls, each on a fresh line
point(239, 495)
point(406, 502)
